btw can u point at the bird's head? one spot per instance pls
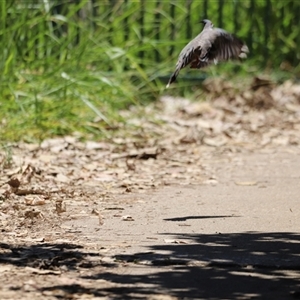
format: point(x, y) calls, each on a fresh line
point(207, 23)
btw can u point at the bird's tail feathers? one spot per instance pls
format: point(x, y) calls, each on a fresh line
point(244, 51)
point(174, 76)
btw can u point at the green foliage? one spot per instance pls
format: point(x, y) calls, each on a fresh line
point(70, 66)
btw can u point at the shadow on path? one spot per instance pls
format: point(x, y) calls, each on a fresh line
point(248, 265)
point(182, 219)
point(46, 256)
point(251, 265)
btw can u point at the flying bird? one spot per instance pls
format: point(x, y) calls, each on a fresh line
point(210, 46)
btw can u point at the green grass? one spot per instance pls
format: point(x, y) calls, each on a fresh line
point(42, 105)
point(51, 85)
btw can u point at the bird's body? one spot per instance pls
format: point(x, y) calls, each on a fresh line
point(211, 45)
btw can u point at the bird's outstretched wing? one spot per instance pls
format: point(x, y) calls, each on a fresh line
point(224, 46)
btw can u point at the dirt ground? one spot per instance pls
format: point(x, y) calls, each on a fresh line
point(191, 200)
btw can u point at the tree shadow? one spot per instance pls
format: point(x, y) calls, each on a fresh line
point(249, 265)
point(46, 256)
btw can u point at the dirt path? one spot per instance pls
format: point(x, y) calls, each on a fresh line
point(186, 206)
point(234, 236)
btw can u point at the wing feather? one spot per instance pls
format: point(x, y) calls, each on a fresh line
point(226, 46)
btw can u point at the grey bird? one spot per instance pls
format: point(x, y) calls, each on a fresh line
point(211, 45)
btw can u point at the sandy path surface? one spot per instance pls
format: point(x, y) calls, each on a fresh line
point(234, 237)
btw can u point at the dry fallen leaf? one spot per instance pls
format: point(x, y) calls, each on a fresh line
point(33, 213)
point(14, 182)
point(62, 178)
point(215, 142)
point(127, 218)
point(60, 206)
point(34, 200)
point(173, 241)
point(28, 174)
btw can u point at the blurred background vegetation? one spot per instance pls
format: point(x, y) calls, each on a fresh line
point(70, 66)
